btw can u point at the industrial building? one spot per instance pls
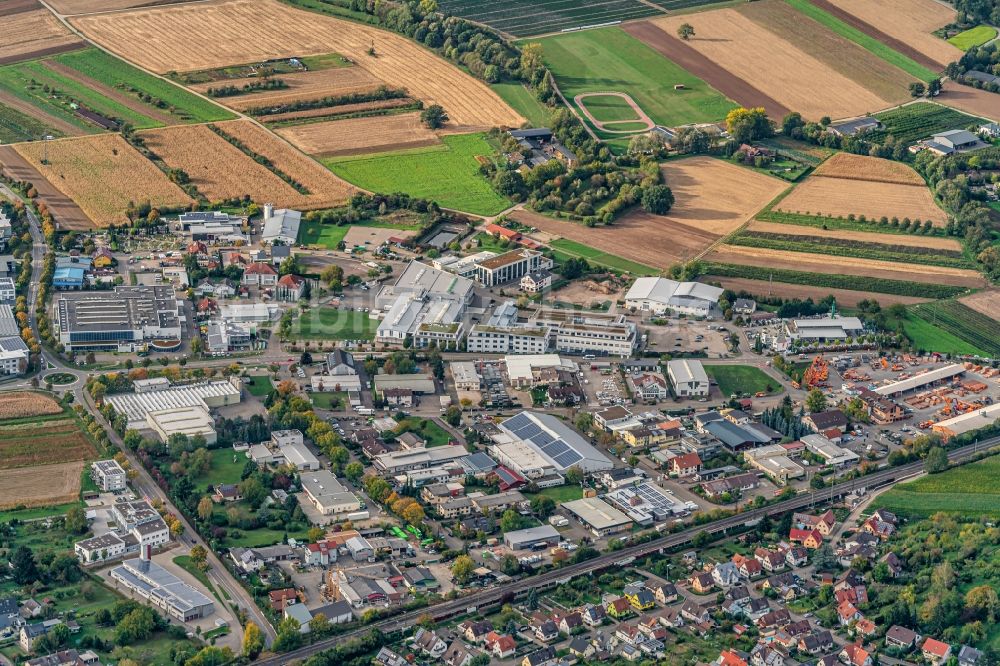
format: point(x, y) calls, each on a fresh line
point(658, 295)
point(774, 462)
point(917, 382)
point(834, 328)
point(465, 375)
point(163, 589)
point(523, 368)
point(327, 494)
point(688, 378)
point(538, 445)
point(829, 452)
point(963, 423)
point(397, 462)
point(137, 406)
point(280, 225)
point(190, 421)
point(588, 332)
point(531, 537)
point(119, 320)
point(600, 517)
point(646, 503)
point(426, 305)
point(502, 334)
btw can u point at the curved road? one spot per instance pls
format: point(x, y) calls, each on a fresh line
point(491, 597)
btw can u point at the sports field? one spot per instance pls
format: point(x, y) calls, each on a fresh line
point(740, 379)
point(973, 37)
point(969, 489)
point(446, 173)
point(572, 249)
point(330, 235)
point(334, 324)
point(609, 60)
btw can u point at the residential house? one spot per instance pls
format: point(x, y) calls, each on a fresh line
point(935, 651)
point(770, 622)
point(570, 622)
point(665, 593)
point(640, 597)
point(969, 656)
point(764, 655)
point(702, 583)
point(429, 643)
point(816, 642)
point(865, 627)
point(725, 574)
point(619, 608)
point(458, 654)
point(593, 616)
point(692, 612)
point(730, 658)
point(290, 288)
point(811, 538)
point(476, 632)
point(547, 631)
point(901, 638)
point(687, 464)
point(853, 654)
point(893, 564)
point(748, 567)
point(582, 647)
point(544, 657)
point(259, 274)
point(847, 613)
point(824, 523)
point(797, 556)
point(769, 559)
point(501, 646)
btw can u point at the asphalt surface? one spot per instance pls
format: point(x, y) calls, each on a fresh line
point(490, 597)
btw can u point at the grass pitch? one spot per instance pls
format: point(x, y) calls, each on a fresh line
point(334, 324)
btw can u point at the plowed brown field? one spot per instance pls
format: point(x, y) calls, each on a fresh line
point(909, 21)
point(986, 301)
point(356, 136)
point(34, 33)
point(66, 212)
point(102, 174)
point(971, 100)
point(40, 486)
point(229, 32)
point(845, 297)
point(765, 60)
point(937, 242)
point(301, 85)
point(840, 197)
point(326, 188)
point(822, 263)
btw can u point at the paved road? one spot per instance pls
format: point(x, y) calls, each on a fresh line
point(492, 597)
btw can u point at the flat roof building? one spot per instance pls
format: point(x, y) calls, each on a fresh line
point(963, 423)
point(828, 451)
point(397, 462)
point(916, 382)
point(657, 295)
point(774, 461)
point(108, 475)
point(588, 332)
point(600, 517)
point(824, 329)
point(191, 421)
point(210, 394)
point(163, 589)
point(328, 494)
point(465, 375)
point(119, 319)
point(531, 537)
point(425, 304)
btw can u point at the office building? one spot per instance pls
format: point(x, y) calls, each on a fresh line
point(119, 320)
point(426, 305)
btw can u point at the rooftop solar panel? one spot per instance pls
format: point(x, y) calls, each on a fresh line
point(567, 459)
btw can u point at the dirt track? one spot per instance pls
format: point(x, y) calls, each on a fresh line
point(603, 126)
point(66, 213)
point(845, 297)
point(686, 57)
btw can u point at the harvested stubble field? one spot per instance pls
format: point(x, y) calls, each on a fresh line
point(369, 109)
point(874, 169)
point(65, 211)
point(907, 22)
point(933, 242)
point(41, 444)
point(92, 6)
point(986, 302)
point(845, 297)
point(981, 103)
point(102, 174)
point(229, 32)
point(40, 486)
point(218, 169)
point(325, 188)
point(301, 86)
point(862, 194)
point(829, 264)
point(19, 405)
point(356, 136)
point(32, 34)
point(840, 54)
point(770, 63)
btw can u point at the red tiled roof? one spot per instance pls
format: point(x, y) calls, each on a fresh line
point(260, 268)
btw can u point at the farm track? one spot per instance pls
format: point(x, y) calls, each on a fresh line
point(69, 216)
point(109, 92)
point(704, 68)
point(56, 123)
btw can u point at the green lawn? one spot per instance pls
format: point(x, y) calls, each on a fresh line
point(524, 102)
point(609, 108)
point(566, 248)
point(333, 324)
point(447, 173)
point(871, 44)
point(970, 489)
point(427, 429)
point(626, 126)
point(560, 494)
point(330, 235)
point(609, 60)
point(973, 37)
point(227, 467)
point(740, 379)
point(259, 386)
point(37, 512)
point(329, 399)
point(111, 71)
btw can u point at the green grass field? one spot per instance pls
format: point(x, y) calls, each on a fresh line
point(430, 431)
point(565, 249)
point(973, 37)
point(333, 324)
point(447, 173)
point(521, 100)
point(227, 466)
point(871, 44)
point(111, 71)
point(964, 329)
point(740, 379)
point(608, 108)
point(560, 494)
point(259, 385)
point(330, 235)
point(626, 126)
point(970, 489)
point(329, 399)
point(610, 60)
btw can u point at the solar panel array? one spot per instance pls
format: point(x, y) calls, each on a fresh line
point(557, 450)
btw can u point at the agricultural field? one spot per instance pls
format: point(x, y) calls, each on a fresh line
point(567, 249)
point(325, 189)
point(17, 126)
point(215, 34)
point(920, 120)
point(610, 60)
point(925, 335)
point(789, 73)
point(54, 441)
point(845, 297)
point(974, 328)
point(942, 244)
point(967, 489)
point(117, 74)
point(63, 209)
point(102, 174)
point(863, 186)
point(742, 379)
point(869, 43)
point(524, 102)
point(21, 405)
point(906, 23)
point(447, 174)
point(967, 39)
point(714, 197)
point(31, 31)
point(829, 264)
point(986, 302)
point(328, 323)
point(356, 136)
point(69, 7)
point(971, 100)
point(40, 486)
point(331, 82)
point(529, 17)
